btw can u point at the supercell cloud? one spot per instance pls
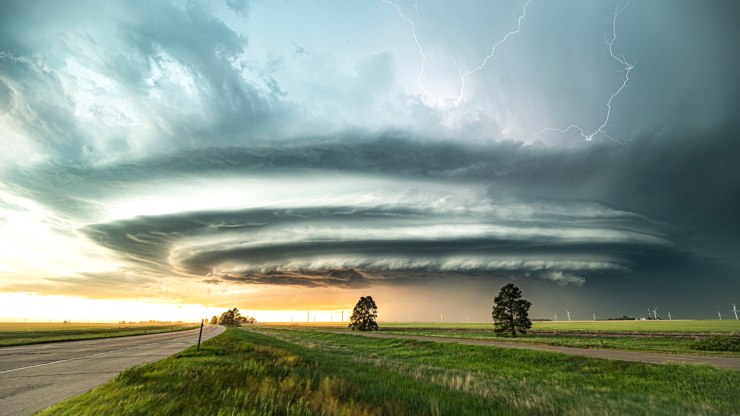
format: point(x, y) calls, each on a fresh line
point(156, 150)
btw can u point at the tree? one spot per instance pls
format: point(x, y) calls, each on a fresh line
point(230, 318)
point(247, 320)
point(510, 311)
point(214, 320)
point(364, 315)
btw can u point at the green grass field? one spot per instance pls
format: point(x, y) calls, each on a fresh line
point(263, 371)
point(726, 326)
point(654, 343)
point(38, 333)
point(674, 337)
point(689, 326)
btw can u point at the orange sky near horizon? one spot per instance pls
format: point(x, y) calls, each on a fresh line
point(467, 303)
point(20, 307)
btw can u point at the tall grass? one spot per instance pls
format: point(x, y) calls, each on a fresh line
point(264, 372)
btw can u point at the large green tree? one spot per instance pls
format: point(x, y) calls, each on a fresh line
point(231, 317)
point(364, 315)
point(510, 312)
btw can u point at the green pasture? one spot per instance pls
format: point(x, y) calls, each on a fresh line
point(678, 326)
point(708, 326)
point(674, 337)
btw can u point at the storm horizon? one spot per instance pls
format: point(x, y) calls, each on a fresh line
point(183, 157)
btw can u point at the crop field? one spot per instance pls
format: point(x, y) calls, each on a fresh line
point(37, 333)
point(304, 371)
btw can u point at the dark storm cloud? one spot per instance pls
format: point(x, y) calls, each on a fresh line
point(690, 204)
point(238, 255)
point(104, 103)
point(143, 47)
point(312, 246)
point(35, 97)
point(149, 239)
point(207, 47)
point(343, 278)
point(670, 176)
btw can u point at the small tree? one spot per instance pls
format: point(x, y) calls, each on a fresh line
point(214, 320)
point(510, 311)
point(230, 318)
point(247, 320)
point(364, 315)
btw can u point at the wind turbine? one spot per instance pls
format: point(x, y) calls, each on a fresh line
point(594, 316)
point(568, 312)
point(720, 315)
point(669, 316)
point(734, 309)
point(655, 313)
point(556, 317)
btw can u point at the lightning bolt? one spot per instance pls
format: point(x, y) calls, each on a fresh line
point(489, 56)
point(627, 69)
point(462, 75)
point(412, 26)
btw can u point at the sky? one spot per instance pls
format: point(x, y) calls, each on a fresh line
point(169, 159)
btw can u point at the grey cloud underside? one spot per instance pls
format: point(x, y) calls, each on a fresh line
point(690, 202)
point(676, 177)
point(335, 246)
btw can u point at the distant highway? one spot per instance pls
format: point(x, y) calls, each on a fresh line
point(33, 377)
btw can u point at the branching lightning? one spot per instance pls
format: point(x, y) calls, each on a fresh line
point(628, 67)
point(490, 55)
point(412, 26)
point(462, 75)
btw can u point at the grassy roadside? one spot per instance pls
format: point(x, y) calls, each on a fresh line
point(303, 372)
point(24, 334)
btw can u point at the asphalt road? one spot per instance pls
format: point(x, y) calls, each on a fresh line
point(726, 363)
point(33, 377)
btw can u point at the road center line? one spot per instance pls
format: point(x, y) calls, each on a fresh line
point(80, 357)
